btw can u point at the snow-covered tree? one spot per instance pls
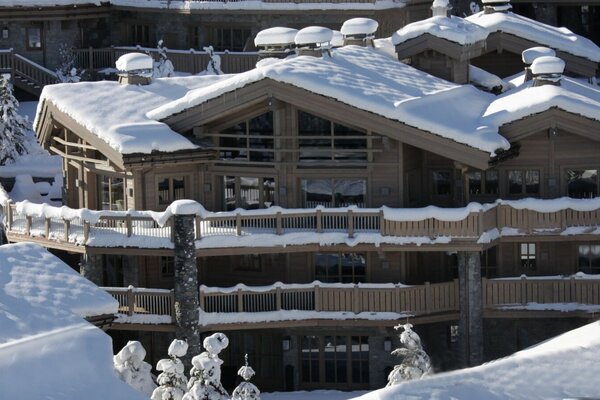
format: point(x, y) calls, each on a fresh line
point(172, 380)
point(246, 390)
point(205, 375)
point(67, 72)
point(163, 68)
point(415, 362)
point(132, 369)
point(13, 127)
point(214, 64)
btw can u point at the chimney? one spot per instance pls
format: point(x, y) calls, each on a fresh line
point(313, 41)
point(276, 42)
point(440, 8)
point(528, 56)
point(493, 6)
point(547, 70)
point(359, 31)
point(135, 69)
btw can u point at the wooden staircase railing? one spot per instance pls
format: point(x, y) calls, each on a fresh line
point(26, 74)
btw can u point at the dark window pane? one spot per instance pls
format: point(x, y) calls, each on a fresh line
point(349, 192)
point(178, 188)
point(491, 182)
point(515, 182)
point(441, 183)
point(229, 196)
point(582, 183)
point(532, 182)
point(474, 182)
point(163, 192)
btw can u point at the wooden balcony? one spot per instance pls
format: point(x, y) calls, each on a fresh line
point(285, 230)
point(317, 303)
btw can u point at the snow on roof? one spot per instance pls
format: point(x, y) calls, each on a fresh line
point(547, 65)
point(572, 96)
point(313, 34)
point(30, 272)
point(117, 113)
point(134, 62)
point(275, 36)
point(481, 77)
point(557, 38)
point(337, 39)
point(370, 80)
point(359, 26)
point(563, 367)
point(454, 29)
point(529, 55)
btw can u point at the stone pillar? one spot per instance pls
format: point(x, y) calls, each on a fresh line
point(470, 325)
point(90, 268)
point(186, 285)
point(130, 271)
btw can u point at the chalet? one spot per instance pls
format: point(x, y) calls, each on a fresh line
point(316, 200)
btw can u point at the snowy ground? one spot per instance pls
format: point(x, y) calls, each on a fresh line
point(312, 395)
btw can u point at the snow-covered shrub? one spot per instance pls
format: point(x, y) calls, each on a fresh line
point(132, 369)
point(172, 380)
point(246, 390)
point(415, 362)
point(205, 375)
point(13, 127)
point(67, 72)
point(163, 68)
point(214, 64)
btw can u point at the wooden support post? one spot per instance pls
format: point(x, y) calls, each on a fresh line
point(240, 300)
point(130, 301)
point(397, 302)
point(86, 231)
point(523, 287)
point(201, 299)
point(198, 227)
point(28, 225)
point(47, 225)
point(172, 223)
point(317, 298)
point(428, 299)
point(129, 225)
point(9, 215)
point(238, 224)
point(278, 223)
point(66, 226)
point(350, 224)
point(278, 298)
point(481, 227)
point(484, 283)
point(91, 58)
point(382, 230)
point(355, 299)
point(319, 221)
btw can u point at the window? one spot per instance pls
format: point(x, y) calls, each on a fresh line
point(442, 185)
point(527, 253)
point(523, 182)
point(171, 189)
point(139, 34)
point(589, 258)
point(310, 359)
point(360, 359)
point(340, 267)
point(489, 263)
point(248, 193)
point(167, 267)
point(111, 193)
point(34, 37)
point(582, 183)
point(227, 38)
point(483, 182)
point(333, 192)
point(250, 140)
point(247, 262)
point(320, 139)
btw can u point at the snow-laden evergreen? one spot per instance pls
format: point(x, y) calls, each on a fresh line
point(205, 375)
point(246, 390)
point(172, 380)
point(163, 68)
point(214, 64)
point(67, 72)
point(415, 362)
point(13, 140)
point(132, 369)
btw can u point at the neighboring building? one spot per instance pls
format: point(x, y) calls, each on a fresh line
point(308, 166)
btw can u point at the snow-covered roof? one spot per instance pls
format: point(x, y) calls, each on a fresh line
point(313, 34)
point(547, 65)
point(454, 29)
point(117, 113)
point(481, 77)
point(359, 26)
point(370, 80)
point(557, 38)
point(337, 40)
point(275, 36)
point(134, 62)
point(572, 96)
point(529, 55)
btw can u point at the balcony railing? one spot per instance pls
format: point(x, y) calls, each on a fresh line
point(421, 300)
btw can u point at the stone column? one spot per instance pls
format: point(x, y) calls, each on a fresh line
point(130, 271)
point(90, 268)
point(186, 285)
point(470, 325)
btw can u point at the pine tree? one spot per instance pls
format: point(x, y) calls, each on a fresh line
point(205, 376)
point(67, 72)
point(415, 362)
point(13, 141)
point(246, 390)
point(132, 369)
point(172, 380)
point(163, 68)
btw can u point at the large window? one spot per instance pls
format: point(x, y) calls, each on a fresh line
point(310, 359)
point(483, 182)
point(139, 34)
point(171, 189)
point(489, 263)
point(589, 258)
point(111, 195)
point(340, 267)
point(320, 139)
point(333, 192)
point(248, 192)
point(250, 140)
point(582, 183)
point(522, 182)
point(442, 183)
point(228, 38)
point(34, 37)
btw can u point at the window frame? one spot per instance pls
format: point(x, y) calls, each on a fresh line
point(40, 27)
point(339, 276)
point(171, 178)
point(238, 190)
point(589, 269)
point(216, 37)
point(333, 203)
point(528, 260)
point(112, 203)
point(524, 171)
point(247, 138)
point(565, 172)
point(484, 183)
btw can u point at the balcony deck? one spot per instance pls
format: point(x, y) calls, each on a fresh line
point(294, 305)
point(278, 230)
